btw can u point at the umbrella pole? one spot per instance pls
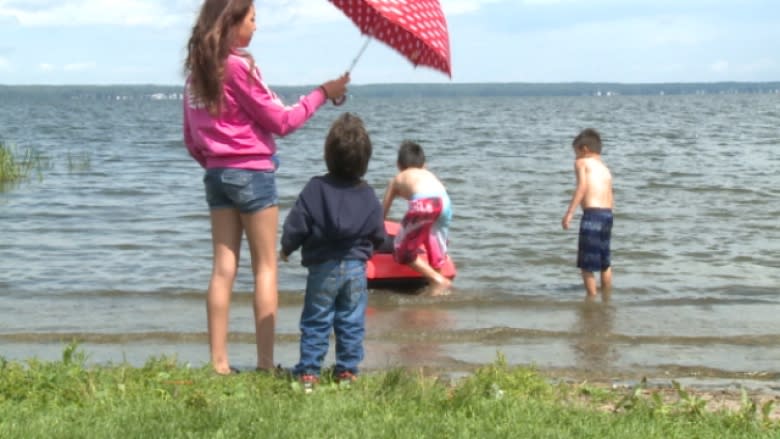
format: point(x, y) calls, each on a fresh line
point(340, 101)
point(362, 49)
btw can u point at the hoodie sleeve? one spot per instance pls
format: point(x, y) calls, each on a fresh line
point(378, 234)
point(193, 149)
point(264, 106)
point(297, 225)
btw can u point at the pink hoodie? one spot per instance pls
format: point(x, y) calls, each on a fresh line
point(243, 134)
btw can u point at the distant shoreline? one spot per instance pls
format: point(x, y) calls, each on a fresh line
point(515, 89)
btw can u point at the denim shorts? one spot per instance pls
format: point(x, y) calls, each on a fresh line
point(242, 189)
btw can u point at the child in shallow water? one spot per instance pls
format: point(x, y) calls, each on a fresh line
point(594, 194)
point(427, 219)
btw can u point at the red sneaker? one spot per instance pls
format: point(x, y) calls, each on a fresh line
point(308, 382)
point(346, 377)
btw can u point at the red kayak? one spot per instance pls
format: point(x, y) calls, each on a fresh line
point(383, 272)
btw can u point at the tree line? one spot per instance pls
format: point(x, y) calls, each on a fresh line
point(10, 92)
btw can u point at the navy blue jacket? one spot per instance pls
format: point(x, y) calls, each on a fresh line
point(334, 220)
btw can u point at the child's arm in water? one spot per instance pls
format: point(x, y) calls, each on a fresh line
point(580, 171)
point(390, 193)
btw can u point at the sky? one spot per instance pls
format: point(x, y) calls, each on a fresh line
point(302, 42)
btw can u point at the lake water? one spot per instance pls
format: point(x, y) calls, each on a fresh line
point(111, 246)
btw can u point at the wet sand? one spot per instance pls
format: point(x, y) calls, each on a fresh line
point(704, 344)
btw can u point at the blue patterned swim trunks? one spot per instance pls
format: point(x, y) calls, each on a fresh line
point(593, 247)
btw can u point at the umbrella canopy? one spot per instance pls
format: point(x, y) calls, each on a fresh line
point(415, 28)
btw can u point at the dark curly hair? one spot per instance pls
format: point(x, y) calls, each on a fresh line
point(348, 148)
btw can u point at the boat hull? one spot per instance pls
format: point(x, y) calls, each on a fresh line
point(382, 271)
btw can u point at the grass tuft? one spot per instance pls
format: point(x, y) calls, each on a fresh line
point(16, 166)
point(79, 163)
point(164, 398)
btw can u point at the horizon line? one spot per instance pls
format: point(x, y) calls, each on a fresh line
point(402, 84)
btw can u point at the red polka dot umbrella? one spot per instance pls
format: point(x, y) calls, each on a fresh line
point(415, 28)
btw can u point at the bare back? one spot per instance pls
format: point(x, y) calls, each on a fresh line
point(410, 183)
point(415, 181)
point(597, 181)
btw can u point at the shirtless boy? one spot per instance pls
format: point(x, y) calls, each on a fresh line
point(594, 194)
point(427, 219)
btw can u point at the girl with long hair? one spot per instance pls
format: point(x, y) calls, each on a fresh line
point(230, 120)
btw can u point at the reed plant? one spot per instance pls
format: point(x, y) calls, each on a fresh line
point(164, 398)
point(79, 162)
point(16, 166)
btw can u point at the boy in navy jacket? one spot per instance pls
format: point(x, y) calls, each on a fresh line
point(336, 221)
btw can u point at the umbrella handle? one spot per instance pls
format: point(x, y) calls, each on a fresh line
point(339, 101)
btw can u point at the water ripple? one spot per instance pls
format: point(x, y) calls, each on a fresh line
point(119, 217)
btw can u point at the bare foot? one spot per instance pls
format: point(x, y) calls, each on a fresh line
point(225, 370)
point(441, 288)
point(222, 370)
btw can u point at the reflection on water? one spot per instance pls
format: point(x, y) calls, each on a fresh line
point(422, 321)
point(417, 333)
point(593, 329)
point(118, 253)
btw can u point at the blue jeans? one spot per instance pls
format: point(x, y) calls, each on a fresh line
point(336, 297)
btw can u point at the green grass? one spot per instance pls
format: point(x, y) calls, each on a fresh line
point(15, 166)
point(66, 399)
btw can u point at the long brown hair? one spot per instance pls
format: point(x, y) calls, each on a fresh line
point(209, 46)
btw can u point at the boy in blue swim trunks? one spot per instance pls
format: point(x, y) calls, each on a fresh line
point(427, 219)
point(594, 194)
